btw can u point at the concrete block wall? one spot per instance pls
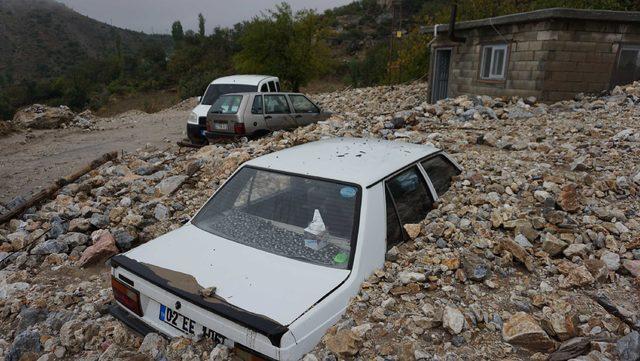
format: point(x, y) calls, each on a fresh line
point(551, 59)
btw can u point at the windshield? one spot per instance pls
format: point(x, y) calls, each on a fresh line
point(227, 104)
point(214, 91)
point(301, 218)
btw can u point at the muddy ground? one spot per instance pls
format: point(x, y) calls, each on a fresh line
point(32, 160)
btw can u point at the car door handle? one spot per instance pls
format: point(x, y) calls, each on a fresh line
point(267, 117)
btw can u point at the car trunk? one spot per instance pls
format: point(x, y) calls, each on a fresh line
point(222, 122)
point(258, 282)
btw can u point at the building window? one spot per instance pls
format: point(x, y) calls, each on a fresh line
point(494, 58)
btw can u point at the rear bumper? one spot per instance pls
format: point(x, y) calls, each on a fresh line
point(216, 134)
point(130, 321)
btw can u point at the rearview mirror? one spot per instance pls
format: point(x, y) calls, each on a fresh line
point(199, 99)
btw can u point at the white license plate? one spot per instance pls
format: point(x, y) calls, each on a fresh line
point(220, 126)
point(186, 325)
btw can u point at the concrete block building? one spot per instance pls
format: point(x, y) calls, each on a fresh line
point(551, 54)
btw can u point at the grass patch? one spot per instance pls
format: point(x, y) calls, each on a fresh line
point(148, 102)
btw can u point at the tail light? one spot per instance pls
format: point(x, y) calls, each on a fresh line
point(238, 128)
point(127, 296)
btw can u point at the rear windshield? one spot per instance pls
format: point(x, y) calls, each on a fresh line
point(306, 219)
point(227, 104)
point(214, 91)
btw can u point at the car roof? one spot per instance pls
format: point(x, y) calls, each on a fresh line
point(246, 79)
point(362, 161)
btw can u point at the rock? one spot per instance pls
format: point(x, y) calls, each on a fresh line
point(124, 239)
point(208, 292)
point(8, 291)
point(576, 249)
point(344, 343)
point(39, 116)
point(71, 334)
point(169, 185)
point(580, 164)
point(571, 349)
point(309, 357)
point(161, 212)
point(475, 267)
point(518, 252)
point(612, 260)
point(552, 245)
point(219, 353)
point(629, 347)
point(408, 277)
point(632, 266)
point(49, 247)
point(568, 200)
point(26, 342)
point(523, 241)
point(452, 320)
point(79, 224)
point(524, 331)
point(597, 268)
point(575, 275)
point(153, 345)
point(99, 220)
point(74, 239)
point(103, 248)
point(413, 230)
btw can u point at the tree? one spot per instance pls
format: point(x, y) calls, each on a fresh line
point(291, 46)
point(201, 22)
point(176, 32)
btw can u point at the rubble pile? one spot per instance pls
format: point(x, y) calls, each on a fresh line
point(533, 253)
point(38, 116)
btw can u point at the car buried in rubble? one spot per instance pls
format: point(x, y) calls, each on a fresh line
point(270, 261)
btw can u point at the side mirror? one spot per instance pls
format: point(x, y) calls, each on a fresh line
point(199, 99)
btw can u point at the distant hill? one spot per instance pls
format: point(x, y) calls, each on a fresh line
point(44, 39)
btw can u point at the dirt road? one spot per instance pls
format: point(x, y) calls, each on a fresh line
point(30, 161)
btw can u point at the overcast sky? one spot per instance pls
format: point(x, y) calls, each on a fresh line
point(158, 15)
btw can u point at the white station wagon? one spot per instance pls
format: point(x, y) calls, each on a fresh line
point(270, 262)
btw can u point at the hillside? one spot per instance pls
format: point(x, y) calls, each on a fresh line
point(44, 39)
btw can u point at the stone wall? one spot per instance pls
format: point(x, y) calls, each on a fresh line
point(551, 60)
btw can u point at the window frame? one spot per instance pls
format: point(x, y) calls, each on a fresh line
point(295, 111)
point(425, 176)
point(357, 211)
point(261, 102)
point(286, 100)
point(493, 77)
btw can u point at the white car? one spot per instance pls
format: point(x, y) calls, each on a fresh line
point(270, 262)
point(197, 121)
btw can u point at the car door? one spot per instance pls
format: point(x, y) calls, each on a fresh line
point(304, 111)
point(277, 112)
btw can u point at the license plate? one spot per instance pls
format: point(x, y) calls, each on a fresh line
point(188, 326)
point(220, 126)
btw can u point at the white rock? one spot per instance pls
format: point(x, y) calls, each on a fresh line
point(408, 277)
point(453, 320)
point(612, 260)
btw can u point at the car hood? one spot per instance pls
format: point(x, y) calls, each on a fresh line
point(277, 287)
point(201, 110)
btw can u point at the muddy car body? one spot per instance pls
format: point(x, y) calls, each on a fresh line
point(196, 123)
point(255, 114)
point(270, 262)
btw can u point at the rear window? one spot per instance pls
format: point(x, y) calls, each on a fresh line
point(215, 91)
point(440, 171)
point(227, 104)
point(256, 107)
point(306, 219)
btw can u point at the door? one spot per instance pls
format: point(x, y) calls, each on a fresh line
point(440, 83)
point(277, 113)
point(304, 111)
point(627, 68)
